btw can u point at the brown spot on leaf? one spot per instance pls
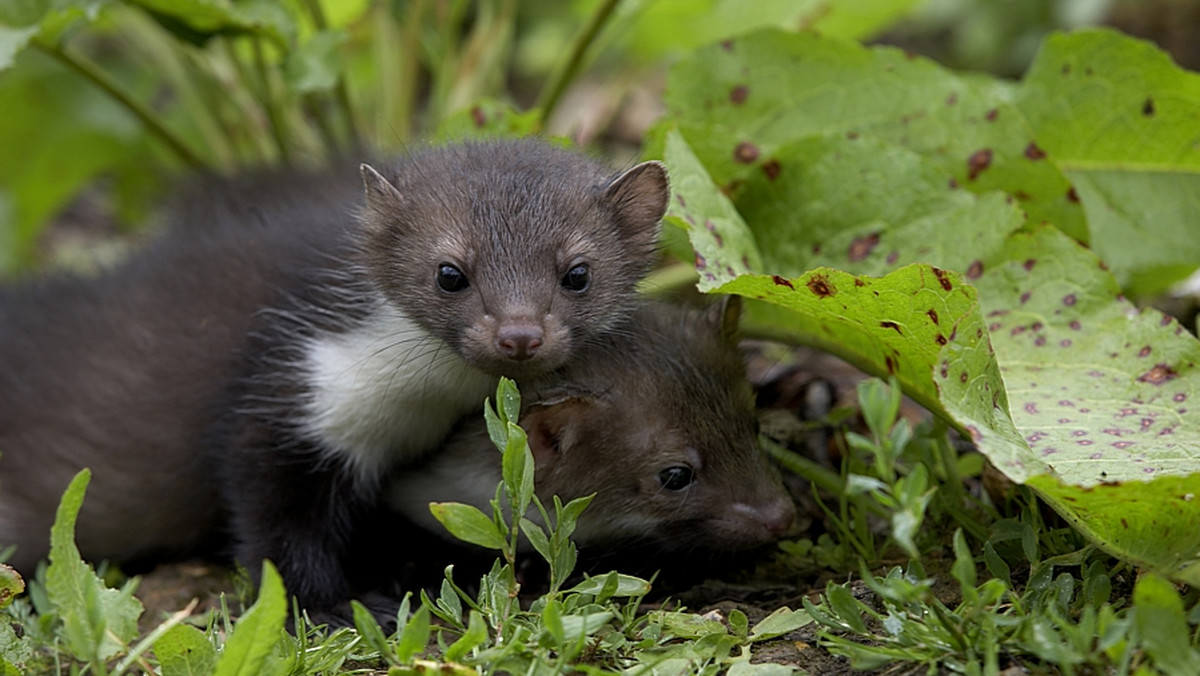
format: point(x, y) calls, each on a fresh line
point(771, 168)
point(745, 152)
point(738, 94)
point(1148, 107)
point(943, 279)
point(978, 162)
point(932, 314)
point(991, 115)
point(890, 363)
point(1144, 352)
point(861, 247)
point(893, 257)
point(952, 99)
point(1122, 444)
point(859, 282)
point(962, 377)
point(953, 183)
point(1029, 263)
point(1075, 325)
point(1158, 375)
point(819, 285)
point(940, 339)
point(891, 325)
point(478, 116)
point(1069, 299)
point(682, 202)
point(975, 269)
point(701, 263)
point(727, 45)
point(1033, 152)
point(1025, 297)
point(1179, 397)
point(1031, 408)
point(1072, 196)
point(780, 281)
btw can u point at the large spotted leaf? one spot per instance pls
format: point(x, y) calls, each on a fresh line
point(1064, 385)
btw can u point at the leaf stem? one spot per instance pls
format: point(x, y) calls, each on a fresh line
point(150, 119)
point(553, 90)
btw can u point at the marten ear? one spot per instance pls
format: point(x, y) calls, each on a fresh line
point(548, 430)
point(724, 316)
point(639, 197)
point(382, 196)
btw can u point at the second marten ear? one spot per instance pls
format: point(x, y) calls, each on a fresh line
point(381, 194)
point(639, 196)
point(724, 315)
point(547, 428)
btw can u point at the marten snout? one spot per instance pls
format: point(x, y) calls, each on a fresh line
point(519, 342)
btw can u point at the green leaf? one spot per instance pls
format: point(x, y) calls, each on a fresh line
point(517, 467)
point(98, 622)
point(487, 119)
point(509, 401)
point(316, 66)
point(627, 585)
point(1119, 118)
point(1163, 627)
point(371, 632)
point(415, 636)
point(11, 584)
point(468, 524)
point(782, 621)
point(576, 626)
point(185, 651)
point(537, 537)
point(760, 669)
point(250, 649)
point(475, 636)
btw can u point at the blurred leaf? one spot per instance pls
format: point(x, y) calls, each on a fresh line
point(414, 636)
point(13, 40)
point(197, 21)
point(1120, 119)
point(487, 119)
point(1162, 624)
point(316, 65)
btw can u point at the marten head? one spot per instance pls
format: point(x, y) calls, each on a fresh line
point(512, 252)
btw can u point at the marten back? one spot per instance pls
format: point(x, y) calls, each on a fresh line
point(121, 371)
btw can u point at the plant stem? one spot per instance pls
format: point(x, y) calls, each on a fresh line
point(341, 92)
point(554, 88)
point(268, 100)
point(150, 119)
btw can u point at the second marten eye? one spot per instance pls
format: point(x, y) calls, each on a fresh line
point(450, 279)
point(676, 478)
point(577, 278)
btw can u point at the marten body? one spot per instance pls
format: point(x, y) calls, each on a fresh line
point(276, 353)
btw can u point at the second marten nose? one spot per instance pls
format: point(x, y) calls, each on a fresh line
point(519, 342)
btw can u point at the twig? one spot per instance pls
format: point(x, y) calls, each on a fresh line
point(151, 120)
point(553, 90)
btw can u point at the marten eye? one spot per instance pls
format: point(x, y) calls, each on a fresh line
point(676, 478)
point(450, 279)
point(577, 278)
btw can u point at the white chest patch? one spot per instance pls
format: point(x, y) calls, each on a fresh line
point(388, 392)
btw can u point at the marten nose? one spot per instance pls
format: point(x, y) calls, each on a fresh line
point(519, 342)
